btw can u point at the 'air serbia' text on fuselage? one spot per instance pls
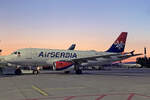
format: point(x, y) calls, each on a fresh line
point(58, 54)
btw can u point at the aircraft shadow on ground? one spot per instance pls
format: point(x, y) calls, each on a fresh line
point(100, 73)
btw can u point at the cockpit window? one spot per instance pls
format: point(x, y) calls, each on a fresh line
point(16, 53)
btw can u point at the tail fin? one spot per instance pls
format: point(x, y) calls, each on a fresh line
point(72, 47)
point(119, 45)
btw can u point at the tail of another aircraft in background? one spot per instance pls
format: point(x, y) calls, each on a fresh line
point(119, 45)
point(72, 47)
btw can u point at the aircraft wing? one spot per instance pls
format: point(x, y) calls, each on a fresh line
point(84, 59)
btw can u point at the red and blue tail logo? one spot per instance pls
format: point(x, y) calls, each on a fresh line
point(119, 45)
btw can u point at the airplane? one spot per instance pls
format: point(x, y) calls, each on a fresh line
point(66, 60)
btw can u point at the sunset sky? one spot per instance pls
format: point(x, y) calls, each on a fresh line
point(56, 24)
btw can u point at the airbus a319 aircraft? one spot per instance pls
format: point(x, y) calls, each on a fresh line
point(68, 60)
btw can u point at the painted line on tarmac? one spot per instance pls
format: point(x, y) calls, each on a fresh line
point(101, 97)
point(69, 98)
point(131, 96)
point(39, 90)
point(67, 88)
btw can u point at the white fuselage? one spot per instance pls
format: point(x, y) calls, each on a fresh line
point(44, 57)
point(47, 57)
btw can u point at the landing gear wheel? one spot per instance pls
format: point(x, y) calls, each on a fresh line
point(67, 72)
point(35, 72)
point(78, 71)
point(18, 71)
point(77, 68)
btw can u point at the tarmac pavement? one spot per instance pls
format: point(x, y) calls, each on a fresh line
point(116, 84)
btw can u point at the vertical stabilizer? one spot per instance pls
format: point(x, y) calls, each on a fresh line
point(119, 45)
point(72, 47)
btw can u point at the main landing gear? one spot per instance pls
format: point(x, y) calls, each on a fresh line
point(36, 70)
point(77, 69)
point(67, 72)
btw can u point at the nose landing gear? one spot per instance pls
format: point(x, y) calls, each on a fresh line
point(18, 71)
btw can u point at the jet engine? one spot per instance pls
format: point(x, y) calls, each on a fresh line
point(63, 65)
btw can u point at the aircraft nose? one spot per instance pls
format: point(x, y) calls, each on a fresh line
point(8, 59)
point(11, 59)
point(2, 60)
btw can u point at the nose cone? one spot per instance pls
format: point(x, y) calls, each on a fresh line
point(2, 60)
point(9, 59)
point(13, 59)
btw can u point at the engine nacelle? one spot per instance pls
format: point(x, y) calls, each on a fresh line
point(63, 65)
